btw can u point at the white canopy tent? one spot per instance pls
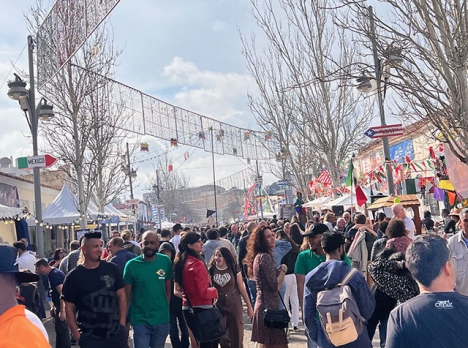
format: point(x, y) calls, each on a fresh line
point(317, 203)
point(9, 212)
point(64, 209)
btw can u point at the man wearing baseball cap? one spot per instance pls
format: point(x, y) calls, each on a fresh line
point(307, 260)
point(16, 330)
point(177, 228)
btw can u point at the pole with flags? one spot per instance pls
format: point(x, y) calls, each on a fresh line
point(350, 180)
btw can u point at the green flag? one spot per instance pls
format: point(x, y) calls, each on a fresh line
point(349, 178)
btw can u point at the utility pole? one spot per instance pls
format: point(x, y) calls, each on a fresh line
point(214, 176)
point(259, 183)
point(157, 196)
point(129, 172)
point(378, 77)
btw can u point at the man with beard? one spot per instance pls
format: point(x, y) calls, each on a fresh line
point(148, 287)
point(307, 260)
point(96, 292)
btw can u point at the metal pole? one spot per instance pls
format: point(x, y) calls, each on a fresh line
point(34, 116)
point(157, 196)
point(378, 77)
point(214, 176)
point(129, 173)
point(259, 189)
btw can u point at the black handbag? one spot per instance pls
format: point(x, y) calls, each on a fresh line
point(276, 318)
point(209, 323)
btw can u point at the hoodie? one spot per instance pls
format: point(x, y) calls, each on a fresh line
point(328, 275)
point(209, 248)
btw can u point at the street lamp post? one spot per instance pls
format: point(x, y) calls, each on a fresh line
point(27, 99)
point(365, 86)
point(156, 190)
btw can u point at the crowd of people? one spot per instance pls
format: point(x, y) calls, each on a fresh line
point(345, 277)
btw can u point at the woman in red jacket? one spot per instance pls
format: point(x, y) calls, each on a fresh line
point(191, 274)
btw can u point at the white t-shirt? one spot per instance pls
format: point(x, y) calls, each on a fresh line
point(36, 321)
point(410, 227)
point(176, 241)
point(27, 261)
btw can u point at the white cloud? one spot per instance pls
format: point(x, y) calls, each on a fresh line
point(218, 26)
point(222, 96)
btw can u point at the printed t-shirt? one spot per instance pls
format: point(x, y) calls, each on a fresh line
point(94, 293)
point(307, 260)
point(16, 330)
point(149, 302)
point(223, 279)
point(429, 320)
point(56, 278)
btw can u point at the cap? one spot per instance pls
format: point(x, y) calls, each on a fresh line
point(8, 265)
point(316, 229)
point(176, 227)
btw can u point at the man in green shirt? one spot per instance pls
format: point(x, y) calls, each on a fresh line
point(307, 260)
point(148, 287)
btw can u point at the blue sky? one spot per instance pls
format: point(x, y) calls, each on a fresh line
point(184, 52)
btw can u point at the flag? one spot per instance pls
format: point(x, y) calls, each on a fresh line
point(360, 196)
point(325, 177)
point(349, 177)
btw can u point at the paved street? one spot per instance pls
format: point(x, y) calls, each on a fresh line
point(296, 339)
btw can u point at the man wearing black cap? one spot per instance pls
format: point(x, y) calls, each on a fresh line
point(16, 330)
point(307, 260)
point(95, 291)
point(177, 228)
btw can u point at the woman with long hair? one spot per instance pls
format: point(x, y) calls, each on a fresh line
point(59, 254)
point(296, 233)
point(261, 267)
point(227, 279)
point(191, 275)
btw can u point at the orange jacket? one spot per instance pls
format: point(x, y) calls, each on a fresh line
point(17, 331)
point(197, 283)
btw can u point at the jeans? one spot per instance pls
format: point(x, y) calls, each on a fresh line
point(117, 340)
point(62, 339)
point(383, 332)
point(176, 341)
point(147, 336)
point(252, 290)
point(291, 297)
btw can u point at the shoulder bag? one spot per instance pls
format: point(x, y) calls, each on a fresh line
point(209, 323)
point(275, 318)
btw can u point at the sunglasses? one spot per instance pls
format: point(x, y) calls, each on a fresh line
point(465, 220)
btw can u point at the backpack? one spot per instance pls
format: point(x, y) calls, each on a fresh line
point(339, 314)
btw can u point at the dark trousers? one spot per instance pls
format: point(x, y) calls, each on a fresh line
point(62, 334)
point(176, 341)
point(189, 319)
point(117, 340)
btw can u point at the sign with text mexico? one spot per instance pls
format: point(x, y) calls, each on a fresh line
point(390, 130)
point(35, 161)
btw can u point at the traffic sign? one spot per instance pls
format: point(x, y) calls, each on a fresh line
point(390, 130)
point(42, 161)
point(283, 183)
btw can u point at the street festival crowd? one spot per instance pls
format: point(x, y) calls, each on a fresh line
point(345, 277)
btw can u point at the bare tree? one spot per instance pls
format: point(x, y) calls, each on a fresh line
point(171, 187)
point(84, 134)
point(305, 96)
point(431, 83)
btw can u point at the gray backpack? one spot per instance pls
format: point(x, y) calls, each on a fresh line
point(339, 314)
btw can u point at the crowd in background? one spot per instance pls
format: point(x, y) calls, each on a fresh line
point(156, 282)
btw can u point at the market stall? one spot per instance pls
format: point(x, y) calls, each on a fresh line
point(408, 201)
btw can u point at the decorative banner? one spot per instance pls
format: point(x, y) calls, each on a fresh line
point(457, 171)
point(399, 151)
